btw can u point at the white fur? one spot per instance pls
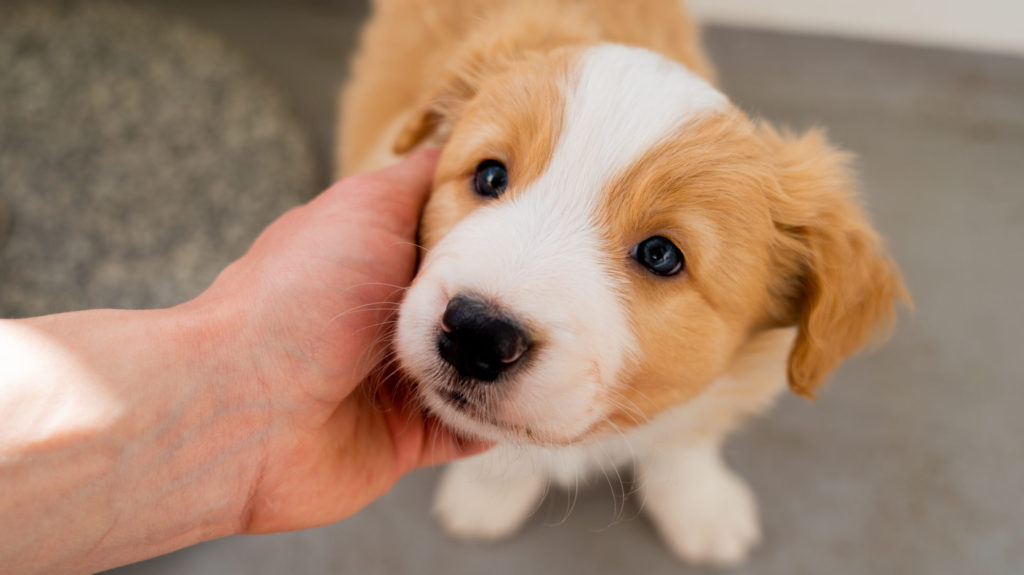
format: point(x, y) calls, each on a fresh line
point(543, 264)
point(704, 511)
point(489, 498)
point(625, 101)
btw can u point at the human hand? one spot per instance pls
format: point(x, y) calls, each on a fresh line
point(313, 300)
point(252, 408)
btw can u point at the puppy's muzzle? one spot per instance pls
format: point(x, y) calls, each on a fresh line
point(478, 340)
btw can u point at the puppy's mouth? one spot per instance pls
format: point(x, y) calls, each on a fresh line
point(456, 399)
point(473, 412)
point(469, 405)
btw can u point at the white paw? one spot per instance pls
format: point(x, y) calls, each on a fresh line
point(477, 507)
point(711, 521)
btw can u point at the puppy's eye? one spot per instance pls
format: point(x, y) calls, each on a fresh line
point(490, 179)
point(659, 255)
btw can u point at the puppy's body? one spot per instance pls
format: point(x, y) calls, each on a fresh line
point(706, 513)
point(601, 117)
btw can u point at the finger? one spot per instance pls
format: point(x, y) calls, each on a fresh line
point(413, 174)
point(394, 194)
point(420, 439)
point(442, 445)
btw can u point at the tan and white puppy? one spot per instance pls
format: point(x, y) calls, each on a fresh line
point(619, 265)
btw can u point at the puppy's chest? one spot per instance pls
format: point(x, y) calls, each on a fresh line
point(752, 384)
point(571, 465)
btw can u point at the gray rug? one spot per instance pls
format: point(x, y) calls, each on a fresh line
point(138, 156)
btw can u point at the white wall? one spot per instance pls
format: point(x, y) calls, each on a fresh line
point(990, 25)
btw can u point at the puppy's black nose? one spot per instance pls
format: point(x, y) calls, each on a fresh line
point(478, 340)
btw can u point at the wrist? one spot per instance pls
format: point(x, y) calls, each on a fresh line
point(191, 434)
point(226, 414)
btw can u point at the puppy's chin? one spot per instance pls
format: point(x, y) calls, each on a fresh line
point(494, 422)
point(471, 420)
point(517, 415)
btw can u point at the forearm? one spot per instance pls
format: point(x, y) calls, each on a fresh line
point(123, 438)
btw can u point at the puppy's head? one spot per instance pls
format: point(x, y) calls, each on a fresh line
point(606, 231)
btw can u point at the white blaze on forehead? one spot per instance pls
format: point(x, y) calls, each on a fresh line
point(624, 102)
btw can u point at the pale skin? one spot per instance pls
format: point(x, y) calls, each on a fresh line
point(264, 404)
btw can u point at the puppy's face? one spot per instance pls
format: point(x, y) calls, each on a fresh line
point(603, 235)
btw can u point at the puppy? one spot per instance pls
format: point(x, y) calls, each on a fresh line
point(619, 265)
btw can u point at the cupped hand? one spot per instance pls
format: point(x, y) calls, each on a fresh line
point(314, 300)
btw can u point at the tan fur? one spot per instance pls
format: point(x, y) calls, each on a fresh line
point(527, 97)
point(773, 237)
point(703, 190)
point(847, 286)
point(419, 61)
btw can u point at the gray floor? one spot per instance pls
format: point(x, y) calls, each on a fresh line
point(911, 462)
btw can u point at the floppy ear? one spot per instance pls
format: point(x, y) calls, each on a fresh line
point(841, 285)
point(434, 118)
point(483, 54)
point(478, 57)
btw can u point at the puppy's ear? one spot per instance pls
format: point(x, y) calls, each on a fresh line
point(484, 54)
point(434, 118)
point(839, 286)
point(477, 58)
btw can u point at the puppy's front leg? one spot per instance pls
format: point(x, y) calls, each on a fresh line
point(704, 511)
point(490, 496)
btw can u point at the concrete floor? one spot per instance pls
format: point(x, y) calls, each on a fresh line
point(911, 461)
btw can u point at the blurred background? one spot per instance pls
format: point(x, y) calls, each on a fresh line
point(144, 144)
